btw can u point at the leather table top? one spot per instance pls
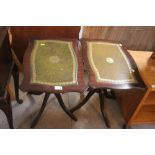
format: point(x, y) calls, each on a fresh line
point(109, 65)
point(53, 66)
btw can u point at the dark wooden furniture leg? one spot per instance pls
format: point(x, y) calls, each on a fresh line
point(83, 102)
point(15, 74)
point(60, 100)
point(5, 106)
point(35, 121)
point(101, 96)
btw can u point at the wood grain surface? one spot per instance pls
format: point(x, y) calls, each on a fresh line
point(133, 37)
point(22, 34)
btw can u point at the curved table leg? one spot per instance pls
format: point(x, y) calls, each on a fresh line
point(15, 74)
point(101, 96)
point(59, 98)
point(35, 121)
point(83, 102)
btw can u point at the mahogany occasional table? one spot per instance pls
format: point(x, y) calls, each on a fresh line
point(109, 66)
point(53, 66)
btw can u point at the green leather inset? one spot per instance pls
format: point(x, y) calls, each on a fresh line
point(53, 63)
point(109, 63)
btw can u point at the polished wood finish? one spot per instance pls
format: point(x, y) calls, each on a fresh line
point(29, 87)
point(146, 114)
point(146, 67)
point(36, 119)
point(128, 100)
point(22, 34)
point(92, 79)
point(91, 92)
point(7, 68)
point(60, 101)
point(153, 54)
point(143, 101)
point(133, 37)
point(101, 87)
point(150, 100)
point(15, 58)
point(11, 92)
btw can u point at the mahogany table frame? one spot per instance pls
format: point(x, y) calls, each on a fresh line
point(41, 88)
point(101, 87)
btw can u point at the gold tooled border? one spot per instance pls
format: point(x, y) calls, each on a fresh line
point(95, 70)
point(33, 70)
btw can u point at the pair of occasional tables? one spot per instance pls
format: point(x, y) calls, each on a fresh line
point(57, 66)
